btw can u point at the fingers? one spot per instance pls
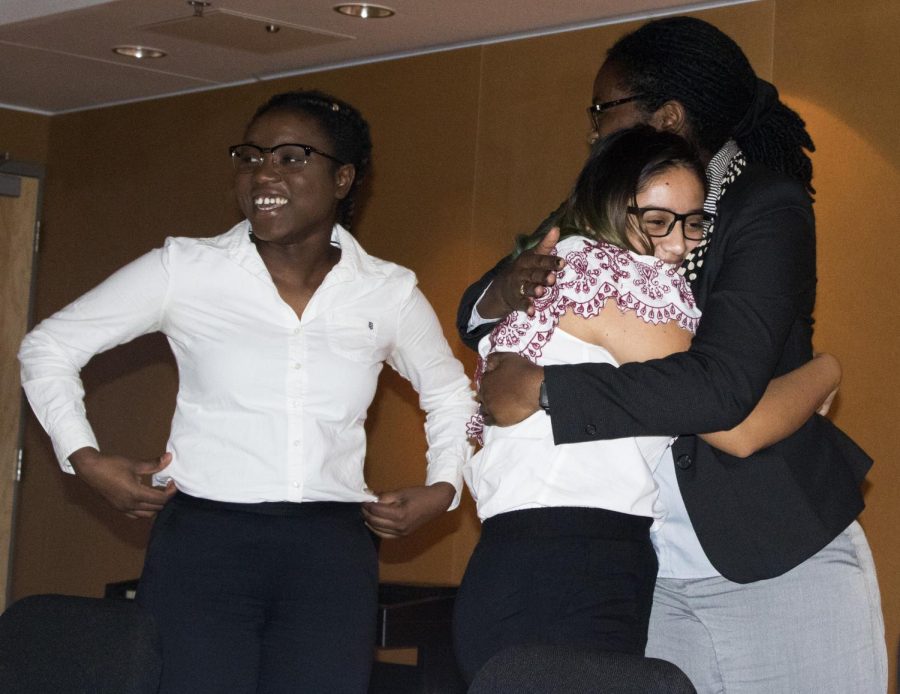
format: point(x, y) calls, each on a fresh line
point(146, 502)
point(495, 360)
point(377, 510)
point(170, 489)
point(385, 520)
point(394, 497)
point(141, 514)
point(383, 534)
point(545, 247)
point(152, 466)
point(403, 511)
point(534, 272)
point(509, 391)
point(140, 500)
point(538, 269)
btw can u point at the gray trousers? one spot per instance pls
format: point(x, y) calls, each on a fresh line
point(817, 629)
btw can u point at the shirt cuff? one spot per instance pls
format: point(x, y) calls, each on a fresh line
point(475, 319)
point(68, 441)
point(448, 468)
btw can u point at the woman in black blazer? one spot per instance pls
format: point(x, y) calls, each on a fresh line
point(766, 580)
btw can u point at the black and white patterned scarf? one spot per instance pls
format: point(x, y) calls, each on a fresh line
point(725, 166)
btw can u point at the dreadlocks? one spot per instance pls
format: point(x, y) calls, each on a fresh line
point(692, 62)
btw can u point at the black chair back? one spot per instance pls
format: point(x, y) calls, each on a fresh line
point(557, 669)
point(62, 643)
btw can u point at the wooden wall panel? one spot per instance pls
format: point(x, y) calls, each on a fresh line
point(24, 135)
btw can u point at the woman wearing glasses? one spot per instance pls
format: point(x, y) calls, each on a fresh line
point(260, 572)
point(766, 579)
point(565, 555)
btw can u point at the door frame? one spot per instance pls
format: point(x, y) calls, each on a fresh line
point(31, 170)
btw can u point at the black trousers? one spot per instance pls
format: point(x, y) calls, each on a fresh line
point(577, 576)
point(264, 598)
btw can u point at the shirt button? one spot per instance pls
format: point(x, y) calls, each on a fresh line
point(296, 365)
point(295, 485)
point(296, 331)
point(684, 461)
point(296, 443)
point(590, 430)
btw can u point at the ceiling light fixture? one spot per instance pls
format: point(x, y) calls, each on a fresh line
point(364, 10)
point(198, 6)
point(139, 52)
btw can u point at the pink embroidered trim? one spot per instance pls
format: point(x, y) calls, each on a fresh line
point(595, 272)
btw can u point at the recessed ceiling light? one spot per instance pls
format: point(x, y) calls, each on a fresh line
point(364, 10)
point(139, 52)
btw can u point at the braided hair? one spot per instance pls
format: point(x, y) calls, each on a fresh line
point(692, 62)
point(344, 126)
point(621, 166)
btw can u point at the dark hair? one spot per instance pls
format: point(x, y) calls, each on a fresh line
point(692, 62)
point(620, 166)
point(344, 126)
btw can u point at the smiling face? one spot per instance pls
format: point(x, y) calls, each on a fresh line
point(678, 190)
point(287, 207)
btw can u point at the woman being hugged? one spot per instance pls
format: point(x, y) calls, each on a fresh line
point(565, 554)
point(260, 572)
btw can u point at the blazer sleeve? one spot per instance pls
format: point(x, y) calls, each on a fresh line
point(467, 303)
point(764, 281)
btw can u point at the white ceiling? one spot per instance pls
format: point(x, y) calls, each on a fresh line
point(56, 55)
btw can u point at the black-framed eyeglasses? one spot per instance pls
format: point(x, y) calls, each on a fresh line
point(597, 110)
point(658, 222)
point(287, 157)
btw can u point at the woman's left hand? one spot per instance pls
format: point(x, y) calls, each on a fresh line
point(403, 511)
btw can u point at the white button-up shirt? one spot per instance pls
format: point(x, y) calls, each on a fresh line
point(270, 406)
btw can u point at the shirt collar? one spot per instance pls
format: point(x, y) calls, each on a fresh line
point(715, 173)
point(354, 260)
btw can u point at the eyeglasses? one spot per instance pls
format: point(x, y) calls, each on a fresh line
point(288, 157)
point(659, 222)
point(597, 110)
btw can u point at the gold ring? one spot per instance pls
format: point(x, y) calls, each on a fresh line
point(522, 289)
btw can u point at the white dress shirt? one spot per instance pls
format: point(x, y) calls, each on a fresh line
point(270, 406)
point(520, 466)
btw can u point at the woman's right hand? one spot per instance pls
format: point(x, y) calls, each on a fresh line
point(526, 277)
point(119, 480)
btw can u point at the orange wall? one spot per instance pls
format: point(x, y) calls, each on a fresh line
point(24, 135)
point(471, 147)
point(839, 68)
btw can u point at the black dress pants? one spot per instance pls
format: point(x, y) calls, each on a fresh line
point(577, 576)
point(271, 598)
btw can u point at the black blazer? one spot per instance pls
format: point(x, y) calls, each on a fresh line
point(757, 517)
